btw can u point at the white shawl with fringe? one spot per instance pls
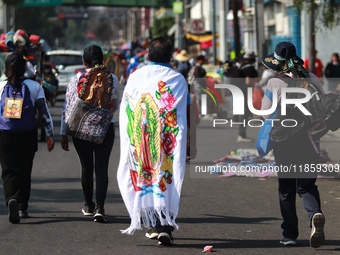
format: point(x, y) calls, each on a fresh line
point(153, 136)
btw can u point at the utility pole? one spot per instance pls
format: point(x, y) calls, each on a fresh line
point(9, 18)
point(213, 19)
point(223, 37)
point(187, 18)
point(187, 8)
point(236, 26)
point(312, 56)
point(260, 39)
point(178, 33)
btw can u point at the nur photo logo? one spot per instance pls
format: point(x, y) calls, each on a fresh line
point(301, 96)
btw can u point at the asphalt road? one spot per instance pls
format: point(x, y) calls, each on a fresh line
point(236, 215)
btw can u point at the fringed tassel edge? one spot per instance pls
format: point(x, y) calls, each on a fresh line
point(149, 217)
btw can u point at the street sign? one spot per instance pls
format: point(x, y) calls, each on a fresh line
point(177, 7)
point(42, 2)
point(197, 26)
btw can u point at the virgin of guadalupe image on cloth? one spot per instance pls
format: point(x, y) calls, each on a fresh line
point(146, 143)
point(13, 108)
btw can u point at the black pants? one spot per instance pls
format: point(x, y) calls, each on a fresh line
point(16, 157)
point(95, 157)
point(242, 130)
point(296, 150)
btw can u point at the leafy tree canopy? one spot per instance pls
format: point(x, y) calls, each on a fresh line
point(13, 2)
point(161, 26)
point(326, 11)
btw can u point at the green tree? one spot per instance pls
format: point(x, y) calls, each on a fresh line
point(322, 12)
point(161, 26)
point(13, 2)
point(74, 38)
point(38, 24)
point(326, 11)
point(66, 33)
point(102, 30)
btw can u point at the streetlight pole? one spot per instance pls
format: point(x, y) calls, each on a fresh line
point(223, 40)
point(213, 18)
point(260, 39)
point(312, 52)
point(178, 33)
point(236, 26)
point(9, 18)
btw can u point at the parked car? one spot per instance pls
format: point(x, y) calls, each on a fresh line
point(68, 63)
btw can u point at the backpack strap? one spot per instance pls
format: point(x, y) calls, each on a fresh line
point(291, 82)
point(22, 88)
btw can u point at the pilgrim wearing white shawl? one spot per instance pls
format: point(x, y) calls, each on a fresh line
point(153, 136)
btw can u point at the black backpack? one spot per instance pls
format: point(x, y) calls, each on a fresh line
point(324, 108)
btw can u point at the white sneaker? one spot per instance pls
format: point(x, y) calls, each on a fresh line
point(240, 139)
point(317, 236)
point(152, 233)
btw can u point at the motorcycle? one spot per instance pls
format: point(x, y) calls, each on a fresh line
point(50, 84)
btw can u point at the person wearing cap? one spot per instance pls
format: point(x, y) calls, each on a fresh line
point(183, 63)
point(293, 147)
point(248, 76)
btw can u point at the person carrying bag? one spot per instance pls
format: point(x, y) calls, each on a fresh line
point(90, 102)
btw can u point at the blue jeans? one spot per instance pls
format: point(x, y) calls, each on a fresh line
point(308, 192)
point(296, 150)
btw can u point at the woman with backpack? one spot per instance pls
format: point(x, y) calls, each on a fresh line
point(293, 149)
point(19, 134)
point(100, 89)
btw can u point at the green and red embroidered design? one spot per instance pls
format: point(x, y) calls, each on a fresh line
point(168, 113)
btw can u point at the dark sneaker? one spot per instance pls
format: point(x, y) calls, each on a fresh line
point(99, 215)
point(13, 211)
point(88, 210)
point(23, 214)
point(165, 239)
point(288, 241)
point(317, 236)
point(152, 233)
